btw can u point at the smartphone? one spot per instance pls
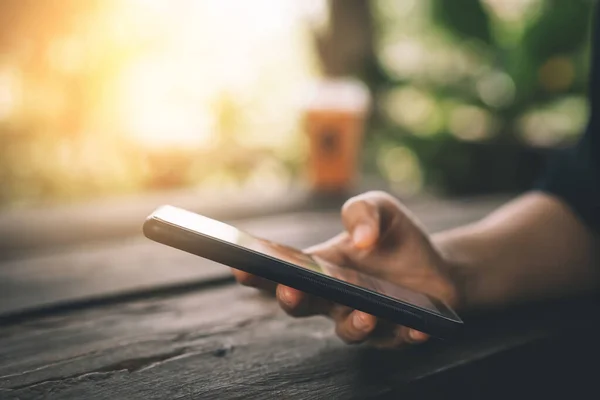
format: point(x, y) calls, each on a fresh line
point(230, 246)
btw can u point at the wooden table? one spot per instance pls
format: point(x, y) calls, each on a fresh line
point(130, 319)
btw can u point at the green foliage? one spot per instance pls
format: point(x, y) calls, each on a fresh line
point(562, 28)
point(464, 18)
point(536, 54)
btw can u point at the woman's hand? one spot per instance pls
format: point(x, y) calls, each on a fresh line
point(383, 239)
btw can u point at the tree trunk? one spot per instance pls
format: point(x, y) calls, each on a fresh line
point(346, 47)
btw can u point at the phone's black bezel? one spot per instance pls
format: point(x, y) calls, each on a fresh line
point(280, 271)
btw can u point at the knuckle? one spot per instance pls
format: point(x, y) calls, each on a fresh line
point(377, 194)
point(349, 204)
point(357, 206)
point(382, 197)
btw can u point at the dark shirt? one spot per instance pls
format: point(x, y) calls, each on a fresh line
point(574, 176)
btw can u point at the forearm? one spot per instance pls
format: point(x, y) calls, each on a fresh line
point(530, 249)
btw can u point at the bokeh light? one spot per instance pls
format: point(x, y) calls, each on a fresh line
point(514, 10)
point(496, 89)
point(557, 74)
point(134, 95)
point(471, 123)
point(401, 167)
point(415, 110)
point(555, 123)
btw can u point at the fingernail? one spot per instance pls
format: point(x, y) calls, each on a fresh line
point(359, 321)
point(417, 336)
point(362, 236)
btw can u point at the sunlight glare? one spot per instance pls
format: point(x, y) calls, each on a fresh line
point(206, 50)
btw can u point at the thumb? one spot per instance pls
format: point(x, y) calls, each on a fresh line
point(362, 220)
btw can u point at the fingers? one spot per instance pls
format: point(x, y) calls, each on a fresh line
point(361, 219)
point(352, 326)
point(355, 327)
point(415, 336)
point(390, 336)
point(292, 301)
point(358, 327)
point(255, 281)
point(299, 304)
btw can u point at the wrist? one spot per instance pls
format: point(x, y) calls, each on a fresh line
point(463, 275)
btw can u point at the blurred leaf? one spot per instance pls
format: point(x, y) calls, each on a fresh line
point(522, 69)
point(466, 19)
point(562, 28)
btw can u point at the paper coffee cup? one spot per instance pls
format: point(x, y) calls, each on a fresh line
point(335, 115)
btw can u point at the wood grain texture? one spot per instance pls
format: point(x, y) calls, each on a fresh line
point(231, 342)
point(133, 264)
point(23, 231)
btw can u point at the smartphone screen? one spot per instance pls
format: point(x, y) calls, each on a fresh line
point(227, 233)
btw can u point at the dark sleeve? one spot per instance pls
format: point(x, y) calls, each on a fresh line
point(574, 175)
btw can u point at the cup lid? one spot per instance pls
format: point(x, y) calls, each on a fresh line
point(340, 94)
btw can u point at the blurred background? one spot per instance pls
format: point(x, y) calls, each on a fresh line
point(103, 98)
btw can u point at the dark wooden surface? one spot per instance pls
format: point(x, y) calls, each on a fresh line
point(183, 333)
